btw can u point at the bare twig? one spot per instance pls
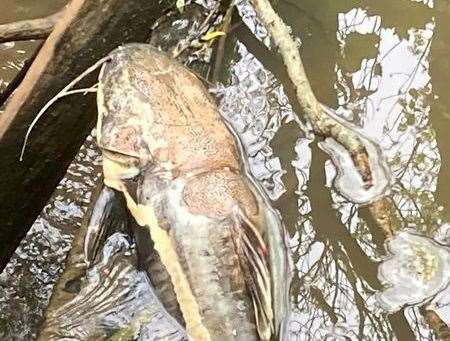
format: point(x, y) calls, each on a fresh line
point(28, 29)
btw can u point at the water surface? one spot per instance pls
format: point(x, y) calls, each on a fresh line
point(384, 66)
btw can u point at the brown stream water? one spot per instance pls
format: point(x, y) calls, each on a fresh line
point(384, 65)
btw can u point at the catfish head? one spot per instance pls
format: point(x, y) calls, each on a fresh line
point(167, 151)
point(155, 114)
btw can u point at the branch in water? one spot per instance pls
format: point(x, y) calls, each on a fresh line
point(28, 29)
point(322, 124)
point(383, 209)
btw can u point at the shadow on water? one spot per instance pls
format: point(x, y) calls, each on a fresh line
point(384, 66)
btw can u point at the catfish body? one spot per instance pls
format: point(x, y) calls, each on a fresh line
point(167, 150)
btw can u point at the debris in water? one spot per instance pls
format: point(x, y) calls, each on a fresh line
point(349, 182)
point(417, 270)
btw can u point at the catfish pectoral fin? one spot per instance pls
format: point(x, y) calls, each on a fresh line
point(253, 258)
point(108, 215)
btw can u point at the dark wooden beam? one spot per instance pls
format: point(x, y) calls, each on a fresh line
point(87, 31)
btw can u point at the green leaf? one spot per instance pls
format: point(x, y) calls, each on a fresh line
point(212, 35)
point(180, 5)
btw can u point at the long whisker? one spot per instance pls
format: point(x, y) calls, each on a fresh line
point(64, 92)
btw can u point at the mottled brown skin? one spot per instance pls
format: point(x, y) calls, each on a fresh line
point(160, 125)
point(204, 240)
point(213, 194)
point(183, 127)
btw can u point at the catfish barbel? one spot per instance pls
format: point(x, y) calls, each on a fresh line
point(167, 150)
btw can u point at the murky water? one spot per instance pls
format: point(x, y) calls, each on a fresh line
point(384, 66)
point(13, 55)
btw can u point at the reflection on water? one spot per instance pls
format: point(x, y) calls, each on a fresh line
point(382, 64)
point(383, 85)
point(255, 105)
point(27, 281)
point(393, 91)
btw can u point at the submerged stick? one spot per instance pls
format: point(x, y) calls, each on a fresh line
point(220, 50)
point(29, 29)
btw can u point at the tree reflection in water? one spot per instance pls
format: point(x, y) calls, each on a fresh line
point(383, 84)
point(371, 60)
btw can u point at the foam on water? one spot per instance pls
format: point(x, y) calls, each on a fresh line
point(348, 181)
point(417, 269)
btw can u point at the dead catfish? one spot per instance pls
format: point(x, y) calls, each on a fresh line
point(167, 150)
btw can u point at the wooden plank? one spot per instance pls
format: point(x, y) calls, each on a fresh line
point(87, 31)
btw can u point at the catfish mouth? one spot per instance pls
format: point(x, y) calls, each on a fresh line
point(121, 157)
point(119, 166)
